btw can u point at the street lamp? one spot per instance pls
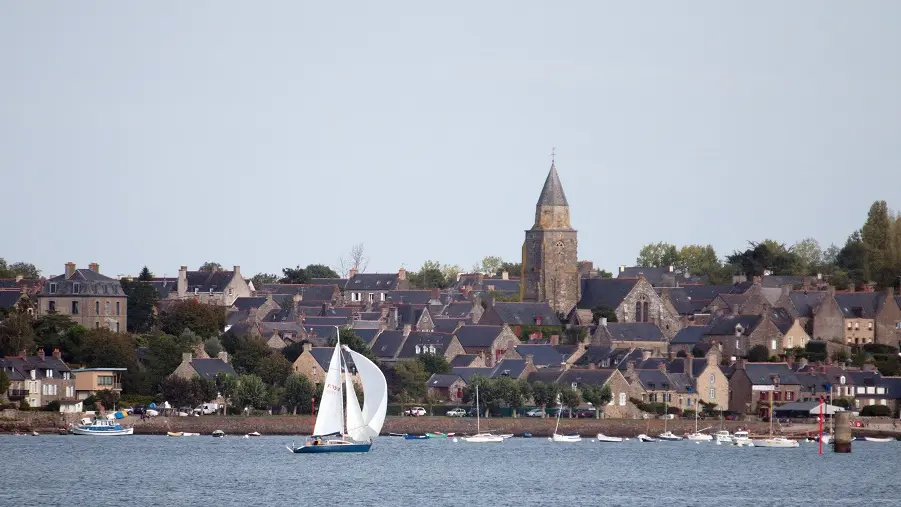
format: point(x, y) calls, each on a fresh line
point(772, 407)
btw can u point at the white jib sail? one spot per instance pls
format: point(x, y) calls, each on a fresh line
point(356, 428)
point(330, 418)
point(375, 393)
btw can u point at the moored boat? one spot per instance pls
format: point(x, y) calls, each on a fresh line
point(878, 439)
point(741, 438)
point(645, 438)
point(566, 438)
point(604, 438)
point(722, 437)
point(218, 434)
point(700, 437)
point(776, 443)
point(101, 428)
point(416, 437)
point(254, 434)
point(669, 437)
point(479, 437)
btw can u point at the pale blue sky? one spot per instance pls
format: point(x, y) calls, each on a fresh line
point(269, 134)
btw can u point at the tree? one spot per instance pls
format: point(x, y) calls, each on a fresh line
point(212, 347)
point(758, 354)
point(293, 351)
point(854, 259)
point(601, 311)
point(876, 411)
point(295, 275)
point(510, 392)
point(810, 256)
point(604, 274)
point(23, 269)
point(413, 378)
point(16, 334)
point(57, 331)
point(512, 268)
point(210, 266)
point(107, 398)
point(204, 389)
point(204, 320)
point(598, 396)
point(657, 255)
point(697, 351)
point(353, 342)
point(490, 265)
point(429, 276)
point(5, 382)
point(434, 363)
point(178, 391)
point(356, 261)
point(768, 255)
point(252, 392)
point(142, 301)
point(299, 392)
point(488, 395)
point(273, 369)
point(320, 271)
point(698, 260)
point(227, 385)
point(570, 398)
point(261, 279)
point(544, 395)
point(164, 354)
point(248, 352)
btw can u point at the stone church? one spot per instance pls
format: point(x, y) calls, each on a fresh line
point(549, 260)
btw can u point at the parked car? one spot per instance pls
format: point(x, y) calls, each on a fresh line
point(138, 410)
point(457, 412)
point(585, 413)
point(472, 412)
point(535, 412)
point(415, 411)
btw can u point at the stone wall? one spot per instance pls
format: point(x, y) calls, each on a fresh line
point(669, 323)
point(887, 331)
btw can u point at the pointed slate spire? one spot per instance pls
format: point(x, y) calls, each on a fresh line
point(552, 193)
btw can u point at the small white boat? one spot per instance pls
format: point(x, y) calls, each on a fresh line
point(645, 438)
point(101, 428)
point(777, 443)
point(565, 438)
point(826, 438)
point(669, 437)
point(218, 434)
point(254, 434)
point(479, 437)
point(506, 435)
point(741, 438)
point(878, 439)
point(722, 437)
point(604, 438)
point(700, 437)
point(181, 434)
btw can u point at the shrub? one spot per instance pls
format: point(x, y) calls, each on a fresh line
point(52, 406)
point(876, 411)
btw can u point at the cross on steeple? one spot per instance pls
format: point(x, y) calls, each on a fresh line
point(553, 155)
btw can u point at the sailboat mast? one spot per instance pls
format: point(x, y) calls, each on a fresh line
point(478, 415)
point(343, 367)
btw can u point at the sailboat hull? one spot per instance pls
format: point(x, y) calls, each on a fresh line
point(320, 449)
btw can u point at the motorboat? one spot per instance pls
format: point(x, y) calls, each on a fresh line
point(505, 436)
point(826, 438)
point(396, 434)
point(565, 438)
point(254, 434)
point(527, 435)
point(669, 437)
point(741, 438)
point(777, 443)
point(341, 424)
point(218, 434)
point(181, 434)
point(479, 437)
point(416, 437)
point(722, 437)
point(700, 437)
point(604, 438)
point(645, 438)
point(102, 427)
point(879, 439)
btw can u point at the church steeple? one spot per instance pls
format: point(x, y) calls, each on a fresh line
point(552, 193)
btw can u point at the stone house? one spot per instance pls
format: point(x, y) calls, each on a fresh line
point(87, 297)
point(659, 386)
point(794, 335)
point(550, 355)
point(870, 317)
point(310, 295)
point(419, 343)
point(708, 380)
point(446, 387)
point(632, 301)
point(464, 310)
point(388, 344)
point(641, 335)
point(737, 334)
point(205, 368)
point(620, 405)
point(493, 342)
point(313, 363)
point(216, 287)
point(367, 289)
point(519, 314)
point(39, 379)
point(687, 339)
point(751, 384)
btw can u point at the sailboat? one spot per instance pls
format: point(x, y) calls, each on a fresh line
point(479, 437)
point(774, 442)
point(563, 438)
point(697, 436)
point(336, 431)
point(667, 435)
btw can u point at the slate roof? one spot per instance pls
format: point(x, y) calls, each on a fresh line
point(546, 375)
point(552, 192)
point(478, 336)
point(582, 377)
point(467, 373)
point(656, 380)
point(426, 342)
point(324, 333)
point(725, 324)
point(90, 284)
point(812, 383)
point(409, 314)
point(509, 368)
point(416, 297)
point(323, 356)
point(445, 325)
point(777, 281)
point(442, 380)
point(207, 281)
point(373, 281)
point(234, 318)
point(463, 360)
point(510, 286)
point(547, 355)
point(9, 298)
point(247, 303)
point(680, 300)
point(698, 365)
point(863, 305)
point(340, 282)
point(387, 344)
point(806, 302)
point(608, 292)
point(782, 319)
point(525, 314)
point(19, 367)
point(892, 386)
point(370, 316)
point(309, 293)
point(367, 335)
point(325, 321)
point(342, 311)
point(209, 368)
point(634, 331)
point(689, 335)
point(763, 373)
point(457, 310)
point(164, 286)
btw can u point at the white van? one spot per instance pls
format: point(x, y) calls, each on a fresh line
point(206, 409)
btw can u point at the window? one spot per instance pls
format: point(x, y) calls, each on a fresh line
point(764, 395)
point(856, 403)
point(898, 325)
point(118, 308)
point(354, 296)
point(789, 396)
point(70, 392)
point(860, 390)
point(106, 308)
point(711, 394)
point(74, 307)
point(48, 373)
point(381, 296)
point(51, 306)
point(371, 297)
point(53, 291)
point(870, 325)
point(688, 403)
point(97, 325)
point(857, 325)
point(882, 402)
point(231, 291)
point(641, 310)
point(417, 349)
point(106, 289)
point(737, 345)
point(66, 375)
point(849, 326)
point(76, 288)
point(791, 342)
point(105, 380)
point(117, 327)
point(96, 307)
point(622, 399)
point(44, 389)
point(871, 390)
point(880, 390)
point(772, 344)
point(196, 290)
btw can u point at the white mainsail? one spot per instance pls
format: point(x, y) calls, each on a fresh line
point(330, 418)
point(375, 393)
point(356, 428)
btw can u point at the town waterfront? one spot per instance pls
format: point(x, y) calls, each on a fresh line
point(149, 470)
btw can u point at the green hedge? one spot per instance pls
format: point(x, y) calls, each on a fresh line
point(875, 411)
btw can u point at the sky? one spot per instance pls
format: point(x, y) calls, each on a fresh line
point(272, 134)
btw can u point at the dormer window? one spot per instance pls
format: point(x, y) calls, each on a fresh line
point(538, 320)
point(196, 290)
point(76, 288)
point(417, 349)
point(52, 288)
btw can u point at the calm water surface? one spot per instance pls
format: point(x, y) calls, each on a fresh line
point(194, 471)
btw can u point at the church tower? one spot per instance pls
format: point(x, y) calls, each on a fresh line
point(549, 259)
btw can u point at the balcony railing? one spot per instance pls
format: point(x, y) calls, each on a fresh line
point(112, 387)
point(17, 393)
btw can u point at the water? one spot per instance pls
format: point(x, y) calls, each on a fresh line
point(194, 471)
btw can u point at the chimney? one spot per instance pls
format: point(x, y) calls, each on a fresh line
point(352, 272)
point(530, 360)
point(603, 321)
point(786, 289)
point(505, 275)
point(436, 294)
point(94, 267)
point(740, 364)
point(407, 329)
point(592, 366)
point(802, 363)
point(401, 274)
point(223, 355)
point(555, 339)
point(661, 367)
point(70, 269)
point(687, 365)
point(182, 285)
point(622, 268)
point(186, 357)
point(41, 353)
point(630, 371)
point(830, 290)
point(57, 354)
point(645, 355)
point(237, 270)
point(307, 347)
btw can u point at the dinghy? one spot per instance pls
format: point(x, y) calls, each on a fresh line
point(415, 437)
point(878, 439)
point(604, 438)
point(645, 438)
point(336, 431)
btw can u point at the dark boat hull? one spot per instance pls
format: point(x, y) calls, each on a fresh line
point(319, 449)
point(415, 437)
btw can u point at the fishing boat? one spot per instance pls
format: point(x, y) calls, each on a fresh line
point(645, 438)
point(181, 434)
point(722, 437)
point(776, 443)
point(336, 431)
point(697, 436)
point(556, 437)
point(479, 437)
point(416, 437)
point(101, 428)
point(741, 438)
point(604, 438)
point(218, 434)
point(878, 439)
